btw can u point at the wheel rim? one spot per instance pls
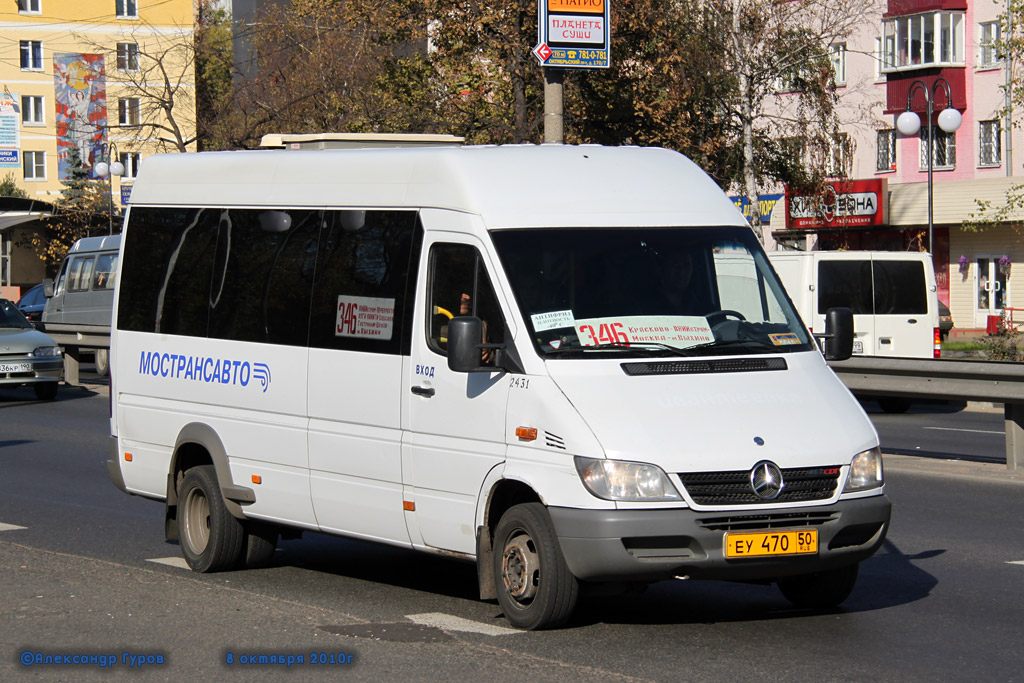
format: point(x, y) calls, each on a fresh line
point(197, 521)
point(520, 568)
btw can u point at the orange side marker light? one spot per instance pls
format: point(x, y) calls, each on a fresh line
point(526, 433)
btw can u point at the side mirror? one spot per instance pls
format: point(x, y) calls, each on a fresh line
point(838, 333)
point(48, 288)
point(465, 335)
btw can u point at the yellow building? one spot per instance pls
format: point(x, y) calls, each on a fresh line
point(113, 78)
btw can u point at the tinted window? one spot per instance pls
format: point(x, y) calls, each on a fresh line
point(169, 257)
point(844, 283)
point(263, 273)
point(900, 288)
point(365, 273)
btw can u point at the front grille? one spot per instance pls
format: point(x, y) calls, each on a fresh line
point(733, 488)
point(787, 520)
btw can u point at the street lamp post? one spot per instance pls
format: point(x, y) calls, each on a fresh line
point(108, 169)
point(908, 123)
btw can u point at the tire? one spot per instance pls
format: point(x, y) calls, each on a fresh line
point(822, 590)
point(535, 588)
point(892, 404)
point(45, 391)
point(102, 362)
point(260, 544)
point(211, 538)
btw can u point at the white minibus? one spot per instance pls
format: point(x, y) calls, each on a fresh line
point(892, 295)
point(571, 365)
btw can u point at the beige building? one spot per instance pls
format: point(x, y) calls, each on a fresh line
point(88, 75)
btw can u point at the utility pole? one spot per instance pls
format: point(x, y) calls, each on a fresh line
point(553, 103)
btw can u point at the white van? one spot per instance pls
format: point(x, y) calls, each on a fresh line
point(569, 364)
point(892, 295)
point(81, 302)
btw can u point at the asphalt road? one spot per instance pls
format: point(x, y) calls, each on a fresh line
point(88, 573)
point(951, 431)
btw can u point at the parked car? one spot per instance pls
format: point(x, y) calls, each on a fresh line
point(27, 356)
point(945, 320)
point(32, 303)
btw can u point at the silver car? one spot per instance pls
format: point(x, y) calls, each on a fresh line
point(27, 356)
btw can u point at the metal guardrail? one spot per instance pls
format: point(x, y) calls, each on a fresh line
point(958, 380)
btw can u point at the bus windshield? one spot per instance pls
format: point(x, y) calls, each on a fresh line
point(648, 291)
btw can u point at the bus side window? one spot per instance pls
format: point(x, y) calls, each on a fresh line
point(460, 286)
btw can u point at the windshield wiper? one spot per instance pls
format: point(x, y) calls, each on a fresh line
point(695, 350)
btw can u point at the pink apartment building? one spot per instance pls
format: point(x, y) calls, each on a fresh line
point(917, 46)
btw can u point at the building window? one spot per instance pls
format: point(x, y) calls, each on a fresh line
point(34, 165)
point(130, 161)
point(29, 6)
point(32, 110)
point(837, 54)
point(988, 37)
point(922, 41)
point(127, 57)
point(885, 155)
point(840, 156)
point(944, 156)
point(128, 111)
point(32, 55)
point(127, 9)
point(989, 143)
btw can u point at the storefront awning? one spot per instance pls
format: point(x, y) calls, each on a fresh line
point(16, 210)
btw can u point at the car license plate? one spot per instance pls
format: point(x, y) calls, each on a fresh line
point(763, 543)
point(858, 346)
point(15, 367)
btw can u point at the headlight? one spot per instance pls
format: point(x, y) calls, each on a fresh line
point(865, 471)
point(626, 481)
point(46, 352)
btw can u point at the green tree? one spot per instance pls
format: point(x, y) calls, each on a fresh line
point(81, 211)
point(698, 76)
point(9, 187)
point(214, 68)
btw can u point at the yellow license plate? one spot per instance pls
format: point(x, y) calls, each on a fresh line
point(764, 543)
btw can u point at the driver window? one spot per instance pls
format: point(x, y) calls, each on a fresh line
point(459, 286)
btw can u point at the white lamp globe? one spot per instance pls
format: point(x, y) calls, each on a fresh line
point(950, 119)
point(908, 123)
point(101, 169)
point(117, 168)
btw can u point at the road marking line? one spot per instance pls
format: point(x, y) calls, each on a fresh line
point(10, 527)
point(974, 431)
point(178, 562)
point(448, 622)
point(1021, 562)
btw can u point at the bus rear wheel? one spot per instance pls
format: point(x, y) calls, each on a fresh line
point(211, 538)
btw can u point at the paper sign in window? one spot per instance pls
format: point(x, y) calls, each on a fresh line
point(365, 317)
point(552, 321)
